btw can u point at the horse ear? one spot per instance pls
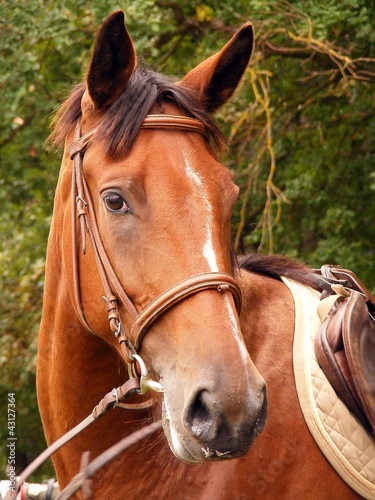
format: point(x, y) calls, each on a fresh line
point(216, 78)
point(112, 63)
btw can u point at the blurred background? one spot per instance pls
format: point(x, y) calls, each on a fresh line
point(301, 135)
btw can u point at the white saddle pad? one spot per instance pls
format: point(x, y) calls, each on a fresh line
point(345, 443)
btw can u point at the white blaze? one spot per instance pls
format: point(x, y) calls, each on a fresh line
point(209, 253)
point(208, 247)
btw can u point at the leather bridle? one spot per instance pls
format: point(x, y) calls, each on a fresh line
point(83, 210)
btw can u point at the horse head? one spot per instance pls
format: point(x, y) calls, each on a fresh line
point(162, 205)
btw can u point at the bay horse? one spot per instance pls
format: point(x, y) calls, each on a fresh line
point(146, 182)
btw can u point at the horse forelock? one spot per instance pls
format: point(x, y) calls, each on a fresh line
point(120, 123)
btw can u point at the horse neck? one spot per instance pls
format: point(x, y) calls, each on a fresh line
point(267, 308)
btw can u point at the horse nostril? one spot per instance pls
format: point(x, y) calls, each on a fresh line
point(199, 418)
point(220, 427)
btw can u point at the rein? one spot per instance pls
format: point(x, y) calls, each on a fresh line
point(113, 399)
point(114, 292)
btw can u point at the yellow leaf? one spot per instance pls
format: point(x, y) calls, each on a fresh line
point(204, 13)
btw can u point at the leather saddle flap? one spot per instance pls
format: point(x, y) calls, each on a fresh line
point(345, 350)
point(359, 345)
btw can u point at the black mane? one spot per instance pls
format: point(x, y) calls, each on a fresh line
point(277, 266)
point(120, 122)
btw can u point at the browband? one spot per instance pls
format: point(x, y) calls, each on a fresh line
point(169, 122)
point(174, 122)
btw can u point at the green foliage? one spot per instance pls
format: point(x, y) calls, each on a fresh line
point(302, 138)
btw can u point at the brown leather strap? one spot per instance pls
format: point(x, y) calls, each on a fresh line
point(108, 274)
point(353, 281)
point(79, 208)
point(222, 282)
point(174, 122)
point(85, 212)
point(116, 396)
point(157, 121)
point(80, 143)
point(75, 258)
point(84, 476)
point(110, 401)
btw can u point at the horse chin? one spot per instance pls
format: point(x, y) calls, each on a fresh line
point(200, 454)
point(177, 448)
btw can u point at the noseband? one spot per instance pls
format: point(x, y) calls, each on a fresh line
point(114, 293)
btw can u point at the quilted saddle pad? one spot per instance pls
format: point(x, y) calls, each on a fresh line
point(345, 443)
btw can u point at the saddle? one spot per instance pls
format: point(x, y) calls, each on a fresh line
point(345, 342)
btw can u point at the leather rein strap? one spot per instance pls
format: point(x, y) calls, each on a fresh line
point(111, 400)
point(113, 290)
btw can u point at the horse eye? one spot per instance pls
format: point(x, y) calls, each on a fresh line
point(115, 203)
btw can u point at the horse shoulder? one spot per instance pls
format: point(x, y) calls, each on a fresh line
point(285, 453)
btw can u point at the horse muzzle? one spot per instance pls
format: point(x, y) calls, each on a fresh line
point(210, 430)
